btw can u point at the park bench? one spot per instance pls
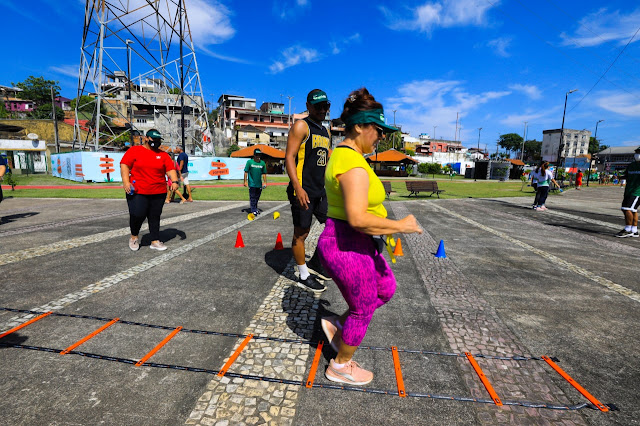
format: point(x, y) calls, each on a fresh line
point(387, 187)
point(416, 186)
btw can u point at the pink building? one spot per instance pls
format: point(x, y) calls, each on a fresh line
point(18, 105)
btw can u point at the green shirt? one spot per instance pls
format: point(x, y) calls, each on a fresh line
point(255, 171)
point(633, 179)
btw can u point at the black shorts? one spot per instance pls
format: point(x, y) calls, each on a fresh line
point(302, 218)
point(630, 203)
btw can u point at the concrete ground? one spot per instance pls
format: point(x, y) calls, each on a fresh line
point(515, 282)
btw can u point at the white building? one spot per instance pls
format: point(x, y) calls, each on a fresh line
point(576, 143)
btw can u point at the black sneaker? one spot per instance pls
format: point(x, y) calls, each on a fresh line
point(625, 234)
point(314, 265)
point(635, 235)
point(312, 284)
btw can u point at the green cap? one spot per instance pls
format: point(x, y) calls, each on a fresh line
point(372, 116)
point(257, 152)
point(154, 134)
point(317, 96)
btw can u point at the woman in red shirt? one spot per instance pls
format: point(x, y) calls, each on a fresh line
point(579, 179)
point(143, 170)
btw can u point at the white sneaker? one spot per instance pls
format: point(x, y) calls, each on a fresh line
point(158, 246)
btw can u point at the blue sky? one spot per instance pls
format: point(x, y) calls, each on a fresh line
point(497, 63)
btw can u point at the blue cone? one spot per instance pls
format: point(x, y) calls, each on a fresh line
point(440, 252)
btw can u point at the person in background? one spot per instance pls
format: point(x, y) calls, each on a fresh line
point(143, 169)
point(534, 184)
point(170, 192)
point(183, 168)
point(256, 171)
point(351, 244)
point(3, 170)
point(579, 179)
point(545, 177)
point(305, 160)
point(631, 199)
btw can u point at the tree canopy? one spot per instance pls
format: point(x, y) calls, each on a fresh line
point(38, 90)
point(429, 168)
point(511, 142)
point(43, 112)
point(532, 150)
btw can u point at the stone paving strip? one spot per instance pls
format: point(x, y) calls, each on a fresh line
point(51, 225)
point(287, 312)
point(470, 324)
point(551, 258)
point(102, 236)
point(572, 216)
point(128, 273)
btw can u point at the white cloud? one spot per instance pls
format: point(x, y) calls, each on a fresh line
point(531, 91)
point(68, 70)
point(338, 46)
point(209, 20)
point(427, 103)
point(540, 118)
point(289, 9)
point(292, 56)
point(208, 52)
point(500, 45)
point(442, 13)
point(621, 103)
point(603, 26)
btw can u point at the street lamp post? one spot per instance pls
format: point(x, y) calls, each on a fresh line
point(475, 171)
point(393, 141)
point(595, 136)
point(561, 144)
point(434, 132)
point(130, 107)
point(523, 141)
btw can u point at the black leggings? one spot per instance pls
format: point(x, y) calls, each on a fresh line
point(542, 193)
point(141, 207)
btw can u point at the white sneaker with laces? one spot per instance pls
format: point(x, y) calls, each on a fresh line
point(158, 245)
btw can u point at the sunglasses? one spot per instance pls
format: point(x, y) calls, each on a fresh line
point(323, 106)
point(379, 129)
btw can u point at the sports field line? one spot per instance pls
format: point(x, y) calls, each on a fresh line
point(43, 250)
point(556, 260)
point(114, 279)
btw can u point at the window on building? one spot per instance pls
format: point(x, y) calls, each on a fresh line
point(257, 136)
point(187, 123)
point(244, 134)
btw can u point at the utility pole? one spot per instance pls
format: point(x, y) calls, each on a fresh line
point(595, 136)
point(55, 120)
point(434, 131)
point(455, 135)
point(289, 97)
point(475, 170)
point(524, 139)
point(129, 105)
point(561, 143)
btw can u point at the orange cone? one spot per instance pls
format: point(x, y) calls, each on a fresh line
point(398, 249)
point(239, 242)
point(279, 245)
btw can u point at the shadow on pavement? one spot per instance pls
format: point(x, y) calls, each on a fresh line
point(14, 217)
point(13, 339)
point(165, 236)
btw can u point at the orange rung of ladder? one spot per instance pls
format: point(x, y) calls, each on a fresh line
point(398, 370)
point(483, 378)
point(573, 383)
point(95, 333)
point(158, 347)
point(234, 356)
point(314, 365)
point(31, 321)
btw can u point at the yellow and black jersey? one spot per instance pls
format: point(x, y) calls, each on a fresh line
point(312, 159)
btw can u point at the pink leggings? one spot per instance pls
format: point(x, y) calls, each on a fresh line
point(362, 275)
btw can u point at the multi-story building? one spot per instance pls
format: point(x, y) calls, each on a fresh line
point(229, 107)
point(615, 158)
point(153, 107)
point(431, 146)
point(575, 143)
point(13, 104)
point(270, 119)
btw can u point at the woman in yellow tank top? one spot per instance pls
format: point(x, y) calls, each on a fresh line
point(348, 246)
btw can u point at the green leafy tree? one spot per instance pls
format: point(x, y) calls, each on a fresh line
point(429, 168)
point(3, 111)
point(43, 112)
point(532, 150)
point(233, 148)
point(511, 142)
point(37, 89)
point(595, 147)
point(174, 91)
point(9, 179)
point(410, 152)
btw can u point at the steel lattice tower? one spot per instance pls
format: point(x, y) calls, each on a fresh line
point(132, 55)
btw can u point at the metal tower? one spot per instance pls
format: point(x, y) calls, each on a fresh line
point(138, 71)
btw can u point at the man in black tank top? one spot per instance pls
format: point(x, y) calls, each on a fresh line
point(306, 159)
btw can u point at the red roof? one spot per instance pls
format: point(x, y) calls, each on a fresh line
point(266, 150)
point(515, 162)
point(391, 156)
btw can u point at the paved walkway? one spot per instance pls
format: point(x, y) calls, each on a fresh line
point(515, 283)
